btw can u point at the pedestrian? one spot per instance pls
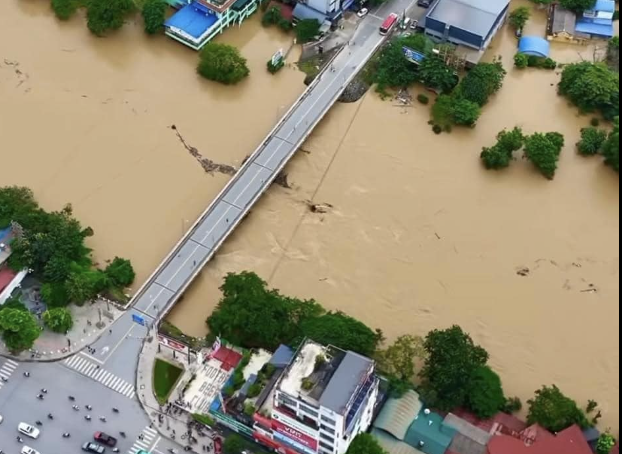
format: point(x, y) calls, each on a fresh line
point(110, 331)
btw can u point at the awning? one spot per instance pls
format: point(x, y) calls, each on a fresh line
point(302, 12)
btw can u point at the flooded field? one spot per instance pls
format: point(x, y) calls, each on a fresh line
point(420, 236)
point(87, 121)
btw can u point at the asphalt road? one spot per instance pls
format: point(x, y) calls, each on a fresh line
point(18, 403)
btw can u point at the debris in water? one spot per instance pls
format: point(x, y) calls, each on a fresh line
point(524, 271)
point(319, 207)
point(208, 165)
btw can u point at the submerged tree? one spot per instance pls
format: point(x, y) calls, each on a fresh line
point(554, 411)
point(154, 15)
point(222, 63)
point(543, 151)
point(107, 15)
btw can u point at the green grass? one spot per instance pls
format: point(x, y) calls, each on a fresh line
point(165, 376)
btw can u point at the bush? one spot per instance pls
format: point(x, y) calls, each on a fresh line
point(543, 151)
point(120, 272)
point(499, 156)
point(519, 17)
point(64, 9)
point(437, 129)
point(512, 405)
point(271, 17)
point(521, 61)
point(554, 411)
point(592, 140)
point(423, 99)
point(595, 122)
point(307, 30)
point(58, 320)
point(222, 63)
point(465, 112)
point(154, 15)
point(254, 390)
point(285, 25)
point(106, 15)
point(611, 148)
point(481, 82)
point(549, 63)
point(485, 396)
point(54, 295)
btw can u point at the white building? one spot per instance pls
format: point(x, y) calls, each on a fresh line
point(322, 401)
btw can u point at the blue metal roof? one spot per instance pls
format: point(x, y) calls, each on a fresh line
point(192, 20)
point(344, 383)
point(607, 6)
point(534, 45)
point(592, 28)
point(302, 12)
point(282, 357)
point(475, 16)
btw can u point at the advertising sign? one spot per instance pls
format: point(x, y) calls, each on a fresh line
point(413, 55)
point(291, 422)
point(287, 441)
point(295, 435)
point(173, 344)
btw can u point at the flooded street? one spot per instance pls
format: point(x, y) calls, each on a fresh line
point(420, 236)
point(87, 121)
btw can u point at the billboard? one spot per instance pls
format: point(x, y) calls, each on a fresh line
point(413, 55)
point(294, 436)
point(173, 344)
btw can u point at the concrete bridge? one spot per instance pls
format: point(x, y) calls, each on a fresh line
point(177, 271)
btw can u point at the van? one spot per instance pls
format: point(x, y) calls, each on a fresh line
point(405, 23)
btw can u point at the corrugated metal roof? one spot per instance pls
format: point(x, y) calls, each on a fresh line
point(392, 445)
point(608, 6)
point(302, 12)
point(475, 16)
point(467, 429)
point(346, 379)
point(534, 45)
point(282, 356)
point(398, 414)
point(592, 28)
point(564, 20)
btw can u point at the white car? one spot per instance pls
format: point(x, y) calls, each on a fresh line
point(29, 450)
point(362, 12)
point(28, 430)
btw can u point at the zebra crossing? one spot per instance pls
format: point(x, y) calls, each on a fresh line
point(144, 441)
point(7, 370)
point(92, 370)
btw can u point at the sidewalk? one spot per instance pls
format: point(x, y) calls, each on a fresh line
point(171, 426)
point(90, 321)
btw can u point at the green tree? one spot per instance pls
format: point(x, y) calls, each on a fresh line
point(272, 17)
point(543, 151)
point(343, 331)
point(80, 287)
point(365, 444)
point(58, 319)
point(65, 9)
point(14, 303)
point(542, 2)
point(512, 405)
point(17, 204)
point(464, 112)
point(578, 5)
point(433, 72)
point(55, 294)
point(519, 17)
point(521, 61)
point(611, 148)
point(394, 70)
point(605, 443)
point(222, 63)
point(592, 87)
point(107, 15)
point(452, 359)
point(481, 82)
point(398, 362)
point(154, 15)
point(499, 156)
point(554, 411)
point(592, 140)
point(120, 272)
point(19, 329)
point(307, 30)
point(234, 444)
point(485, 396)
point(419, 42)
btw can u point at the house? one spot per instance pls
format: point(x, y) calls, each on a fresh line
point(562, 24)
point(9, 281)
point(597, 23)
point(404, 426)
point(470, 23)
point(569, 441)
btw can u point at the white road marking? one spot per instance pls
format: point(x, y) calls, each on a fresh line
point(7, 370)
point(106, 378)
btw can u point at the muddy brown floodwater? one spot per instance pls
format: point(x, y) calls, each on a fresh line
point(420, 235)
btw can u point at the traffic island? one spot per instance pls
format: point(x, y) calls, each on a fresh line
point(165, 378)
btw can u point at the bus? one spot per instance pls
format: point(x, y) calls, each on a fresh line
point(389, 23)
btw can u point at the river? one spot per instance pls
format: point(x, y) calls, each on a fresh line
point(420, 236)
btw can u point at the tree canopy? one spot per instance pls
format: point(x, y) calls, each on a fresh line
point(592, 87)
point(554, 411)
point(65, 9)
point(605, 443)
point(543, 151)
point(481, 82)
point(452, 359)
point(121, 272)
point(397, 362)
point(519, 17)
point(485, 397)
point(19, 329)
point(154, 15)
point(500, 155)
point(578, 5)
point(107, 15)
point(234, 444)
point(434, 73)
point(611, 148)
point(58, 319)
point(222, 63)
point(592, 141)
point(365, 444)
point(251, 315)
point(307, 30)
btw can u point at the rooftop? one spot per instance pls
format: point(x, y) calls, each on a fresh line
point(475, 16)
point(430, 434)
point(6, 277)
point(6, 236)
point(569, 441)
point(398, 414)
point(325, 376)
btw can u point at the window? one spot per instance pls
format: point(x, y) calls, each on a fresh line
point(327, 429)
point(326, 451)
point(326, 446)
point(286, 400)
point(328, 438)
point(328, 420)
point(308, 410)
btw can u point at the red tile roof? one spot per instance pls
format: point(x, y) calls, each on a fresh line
point(501, 423)
point(6, 277)
point(229, 358)
point(569, 441)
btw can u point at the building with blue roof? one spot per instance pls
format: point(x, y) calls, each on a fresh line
point(471, 23)
point(598, 21)
point(534, 46)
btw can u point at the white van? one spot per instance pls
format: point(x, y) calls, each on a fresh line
point(405, 23)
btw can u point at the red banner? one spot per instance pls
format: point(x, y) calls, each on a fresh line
point(294, 434)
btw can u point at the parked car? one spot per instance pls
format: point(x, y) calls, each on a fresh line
point(414, 24)
point(105, 439)
point(28, 430)
point(362, 12)
point(29, 450)
point(89, 446)
point(424, 3)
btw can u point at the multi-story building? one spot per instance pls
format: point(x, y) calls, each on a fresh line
point(324, 398)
